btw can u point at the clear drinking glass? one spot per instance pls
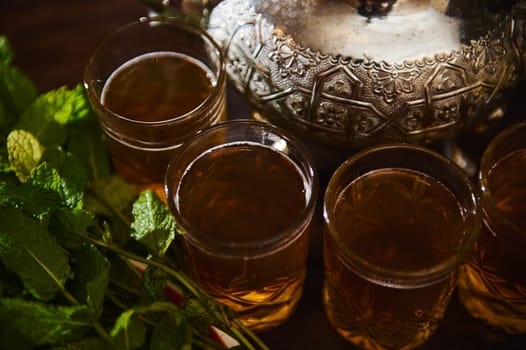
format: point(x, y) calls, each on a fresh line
point(244, 194)
point(492, 286)
point(154, 83)
point(399, 221)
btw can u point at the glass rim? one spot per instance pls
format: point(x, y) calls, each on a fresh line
point(406, 278)
point(256, 248)
point(179, 24)
point(486, 165)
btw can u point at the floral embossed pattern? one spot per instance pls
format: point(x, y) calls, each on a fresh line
point(353, 102)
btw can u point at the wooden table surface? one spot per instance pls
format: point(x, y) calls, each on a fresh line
point(52, 40)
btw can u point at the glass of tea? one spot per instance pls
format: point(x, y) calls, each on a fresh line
point(399, 221)
point(244, 193)
point(492, 286)
point(154, 83)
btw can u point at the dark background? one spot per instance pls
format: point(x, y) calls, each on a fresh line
point(52, 40)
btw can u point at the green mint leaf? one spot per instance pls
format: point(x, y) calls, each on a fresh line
point(197, 313)
point(128, 332)
point(5, 164)
point(6, 120)
point(173, 332)
point(5, 197)
point(6, 52)
point(206, 311)
point(17, 93)
point(24, 152)
point(74, 104)
point(49, 114)
point(92, 275)
point(75, 221)
point(70, 226)
point(10, 284)
point(28, 249)
point(49, 180)
point(154, 282)
point(109, 196)
point(193, 308)
point(42, 323)
point(86, 143)
point(68, 166)
point(153, 225)
point(34, 200)
point(112, 199)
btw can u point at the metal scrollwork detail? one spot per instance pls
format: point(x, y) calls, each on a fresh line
point(297, 104)
point(446, 113)
point(333, 116)
point(413, 121)
point(290, 59)
point(353, 103)
point(364, 124)
point(488, 52)
point(392, 83)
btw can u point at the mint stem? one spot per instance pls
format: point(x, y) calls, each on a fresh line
point(193, 289)
point(252, 336)
point(240, 337)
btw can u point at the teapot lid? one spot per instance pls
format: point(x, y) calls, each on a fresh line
point(380, 8)
point(393, 31)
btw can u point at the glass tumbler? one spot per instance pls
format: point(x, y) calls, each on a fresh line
point(154, 83)
point(244, 194)
point(492, 285)
point(399, 221)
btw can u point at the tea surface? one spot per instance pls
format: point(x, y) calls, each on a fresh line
point(157, 86)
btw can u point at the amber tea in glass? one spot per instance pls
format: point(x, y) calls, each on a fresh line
point(244, 193)
point(399, 220)
point(154, 84)
point(492, 285)
point(157, 86)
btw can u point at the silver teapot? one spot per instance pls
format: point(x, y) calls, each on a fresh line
point(353, 73)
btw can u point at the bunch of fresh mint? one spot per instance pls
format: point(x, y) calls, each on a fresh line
point(84, 258)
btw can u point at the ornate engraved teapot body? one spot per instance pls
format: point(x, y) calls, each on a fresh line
point(358, 72)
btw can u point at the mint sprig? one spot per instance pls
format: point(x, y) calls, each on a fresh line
point(84, 257)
